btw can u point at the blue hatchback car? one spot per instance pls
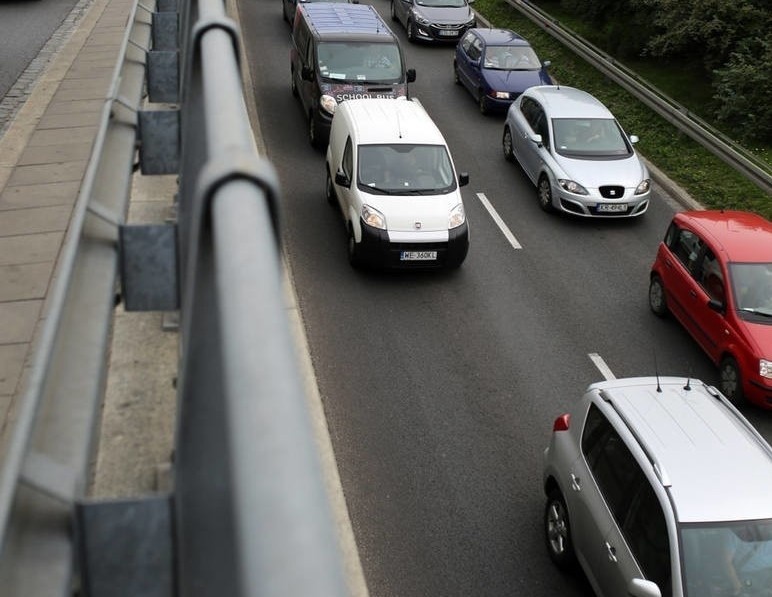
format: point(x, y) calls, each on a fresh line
point(496, 66)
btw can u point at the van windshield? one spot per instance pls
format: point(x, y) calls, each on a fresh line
point(360, 61)
point(404, 169)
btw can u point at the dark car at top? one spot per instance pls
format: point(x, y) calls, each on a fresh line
point(713, 273)
point(434, 20)
point(496, 66)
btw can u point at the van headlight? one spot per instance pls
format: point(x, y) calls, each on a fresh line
point(643, 187)
point(372, 217)
point(765, 368)
point(457, 216)
point(328, 104)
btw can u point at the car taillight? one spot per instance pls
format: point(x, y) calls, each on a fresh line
point(561, 423)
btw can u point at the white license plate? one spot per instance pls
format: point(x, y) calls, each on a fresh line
point(612, 206)
point(418, 256)
point(448, 33)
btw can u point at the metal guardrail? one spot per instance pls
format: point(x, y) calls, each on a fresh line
point(756, 170)
point(248, 514)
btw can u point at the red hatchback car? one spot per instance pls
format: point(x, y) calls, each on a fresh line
point(713, 273)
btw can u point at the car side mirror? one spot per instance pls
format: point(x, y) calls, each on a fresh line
point(536, 139)
point(634, 139)
point(342, 179)
point(463, 179)
point(717, 306)
point(410, 75)
point(306, 73)
point(547, 63)
point(643, 588)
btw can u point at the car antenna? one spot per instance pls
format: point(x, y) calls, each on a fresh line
point(689, 379)
point(656, 373)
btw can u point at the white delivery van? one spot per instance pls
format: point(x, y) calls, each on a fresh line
point(391, 172)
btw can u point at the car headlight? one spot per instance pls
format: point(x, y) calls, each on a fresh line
point(328, 104)
point(643, 187)
point(500, 94)
point(572, 187)
point(457, 216)
point(421, 20)
point(471, 22)
point(372, 217)
point(765, 368)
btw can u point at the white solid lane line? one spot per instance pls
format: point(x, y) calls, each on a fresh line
point(499, 222)
point(601, 365)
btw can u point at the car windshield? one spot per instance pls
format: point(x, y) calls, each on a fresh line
point(752, 289)
point(721, 560)
point(511, 58)
point(443, 3)
point(360, 61)
point(590, 138)
point(404, 169)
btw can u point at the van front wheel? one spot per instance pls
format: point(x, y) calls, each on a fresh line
point(354, 257)
point(313, 134)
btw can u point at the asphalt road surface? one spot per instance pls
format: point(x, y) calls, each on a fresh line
point(25, 27)
point(440, 389)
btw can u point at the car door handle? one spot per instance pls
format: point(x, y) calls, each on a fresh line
point(612, 552)
point(576, 483)
point(693, 294)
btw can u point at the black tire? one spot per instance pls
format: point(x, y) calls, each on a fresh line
point(410, 31)
point(313, 136)
point(657, 298)
point(730, 381)
point(482, 103)
point(393, 11)
point(544, 194)
point(506, 145)
point(354, 257)
point(456, 78)
point(293, 85)
point(557, 532)
point(284, 14)
point(329, 190)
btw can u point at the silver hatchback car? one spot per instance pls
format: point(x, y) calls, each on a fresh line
point(576, 153)
point(660, 487)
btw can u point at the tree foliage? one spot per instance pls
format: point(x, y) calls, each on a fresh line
point(730, 41)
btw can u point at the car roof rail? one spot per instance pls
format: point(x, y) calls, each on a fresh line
point(656, 465)
point(752, 431)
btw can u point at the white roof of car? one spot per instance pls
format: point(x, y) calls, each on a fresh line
point(715, 464)
point(568, 102)
point(380, 120)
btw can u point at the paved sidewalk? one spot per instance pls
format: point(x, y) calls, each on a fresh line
point(44, 153)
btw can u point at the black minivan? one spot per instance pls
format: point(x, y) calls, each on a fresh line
point(340, 52)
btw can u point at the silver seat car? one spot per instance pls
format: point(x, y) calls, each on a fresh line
point(576, 153)
point(660, 487)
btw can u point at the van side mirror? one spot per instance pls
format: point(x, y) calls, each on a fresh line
point(410, 75)
point(306, 73)
point(342, 179)
point(547, 63)
point(536, 139)
point(634, 139)
point(463, 179)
